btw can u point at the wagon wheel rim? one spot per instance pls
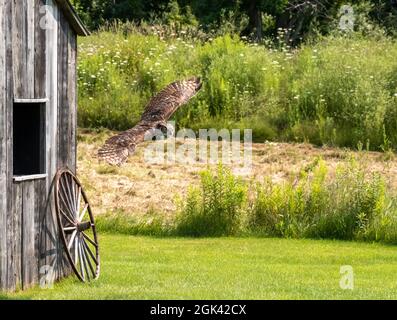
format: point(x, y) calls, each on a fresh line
point(76, 226)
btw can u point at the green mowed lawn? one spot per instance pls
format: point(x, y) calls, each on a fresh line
point(231, 268)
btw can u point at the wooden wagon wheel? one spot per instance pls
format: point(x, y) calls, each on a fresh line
point(77, 226)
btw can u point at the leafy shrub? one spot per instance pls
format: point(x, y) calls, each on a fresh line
point(216, 209)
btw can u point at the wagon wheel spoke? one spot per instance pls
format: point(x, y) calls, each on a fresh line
point(70, 187)
point(72, 239)
point(81, 261)
point(81, 216)
point(68, 214)
point(67, 217)
point(78, 200)
point(77, 226)
point(72, 191)
point(68, 229)
point(76, 248)
point(67, 199)
point(84, 258)
point(89, 239)
point(88, 250)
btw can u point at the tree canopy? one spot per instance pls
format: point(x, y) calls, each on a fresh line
point(253, 18)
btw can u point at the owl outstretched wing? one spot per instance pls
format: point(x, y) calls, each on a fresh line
point(157, 112)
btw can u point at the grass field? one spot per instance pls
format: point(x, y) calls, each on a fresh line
point(219, 268)
point(231, 268)
point(139, 187)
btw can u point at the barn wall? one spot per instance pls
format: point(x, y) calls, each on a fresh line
point(57, 110)
point(3, 146)
point(67, 118)
point(28, 45)
point(67, 110)
point(28, 208)
point(34, 63)
point(7, 225)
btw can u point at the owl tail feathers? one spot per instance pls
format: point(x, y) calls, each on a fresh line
point(113, 154)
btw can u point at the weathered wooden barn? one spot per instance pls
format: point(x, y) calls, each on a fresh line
point(38, 42)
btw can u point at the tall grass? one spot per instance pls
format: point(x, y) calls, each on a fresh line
point(152, 224)
point(340, 91)
point(344, 87)
point(348, 204)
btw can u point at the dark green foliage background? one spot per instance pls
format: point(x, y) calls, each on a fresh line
point(304, 17)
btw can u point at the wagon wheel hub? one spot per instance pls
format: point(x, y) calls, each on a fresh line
point(84, 226)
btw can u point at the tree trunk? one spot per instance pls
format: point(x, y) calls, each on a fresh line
point(255, 19)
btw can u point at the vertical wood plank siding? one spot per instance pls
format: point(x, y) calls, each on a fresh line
point(17, 200)
point(72, 97)
point(62, 92)
point(28, 259)
point(40, 53)
point(67, 109)
point(10, 223)
point(3, 147)
point(50, 256)
point(66, 95)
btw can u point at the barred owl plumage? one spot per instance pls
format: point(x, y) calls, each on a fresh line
point(156, 114)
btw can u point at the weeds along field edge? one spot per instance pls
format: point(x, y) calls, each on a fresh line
point(352, 204)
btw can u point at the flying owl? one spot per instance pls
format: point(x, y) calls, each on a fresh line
point(160, 108)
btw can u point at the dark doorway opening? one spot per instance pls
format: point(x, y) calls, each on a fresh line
point(28, 139)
